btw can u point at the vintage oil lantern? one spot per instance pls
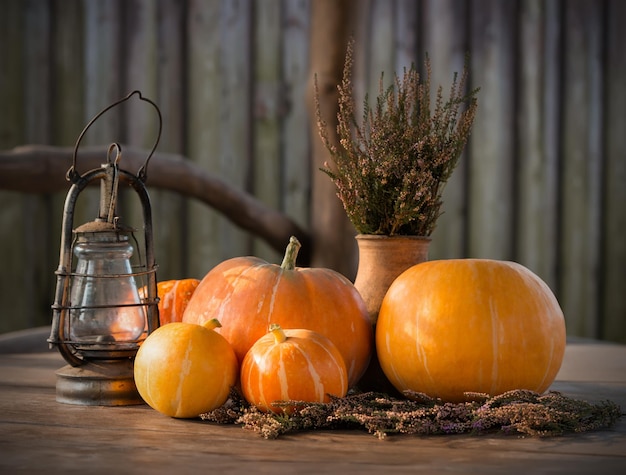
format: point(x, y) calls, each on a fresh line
point(106, 295)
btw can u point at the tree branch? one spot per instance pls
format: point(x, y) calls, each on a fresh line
point(42, 169)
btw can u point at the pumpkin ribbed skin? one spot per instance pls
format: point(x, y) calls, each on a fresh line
point(292, 365)
point(470, 325)
point(174, 295)
point(183, 370)
point(247, 294)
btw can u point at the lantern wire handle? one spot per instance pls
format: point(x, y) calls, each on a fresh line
point(73, 176)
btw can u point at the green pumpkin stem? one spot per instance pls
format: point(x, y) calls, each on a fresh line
point(291, 253)
point(278, 333)
point(212, 324)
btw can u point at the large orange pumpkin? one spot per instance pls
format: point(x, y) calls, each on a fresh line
point(469, 325)
point(292, 365)
point(183, 370)
point(174, 295)
point(247, 294)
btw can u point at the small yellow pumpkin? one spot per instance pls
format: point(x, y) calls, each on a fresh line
point(183, 370)
point(469, 325)
point(292, 365)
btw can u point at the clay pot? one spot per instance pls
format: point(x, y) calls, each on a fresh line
point(381, 260)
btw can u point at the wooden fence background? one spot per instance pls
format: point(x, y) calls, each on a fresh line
point(543, 181)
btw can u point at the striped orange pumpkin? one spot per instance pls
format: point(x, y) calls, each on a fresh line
point(247, 294)
point(292, 365)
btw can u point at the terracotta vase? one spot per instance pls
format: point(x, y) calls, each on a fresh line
point(381, 260)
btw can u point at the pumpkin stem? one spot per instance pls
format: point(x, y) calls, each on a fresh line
point(291, 253)
point(278, 333)
point(212, 324)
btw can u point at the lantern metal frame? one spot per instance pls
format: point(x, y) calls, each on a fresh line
point(102, 374)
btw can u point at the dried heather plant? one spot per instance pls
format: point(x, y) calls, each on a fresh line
point(520, 412)
point(390, 170)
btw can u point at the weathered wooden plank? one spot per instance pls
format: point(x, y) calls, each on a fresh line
point(103, 67)
point(12, 59)
point(139, 72)
point(551, 139)
point(613, 277)
point(331, 24)
point(444, 38)
point(537, 195)
point(581, 168)
point(491, 148)
point(405, 34)
point(37, 71)
point(295, 140)
point(68, 62)
point(234, 110)
point(35, 288)
point(362, 17)
point(67, 101)
point(12, 133)
point(170, 210)
point(140, 120)
point(374, 51)
point(381, 51)
point(268, 108)
point(203, 129)
point(102, 79)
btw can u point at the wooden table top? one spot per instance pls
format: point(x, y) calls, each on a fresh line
point(39, 435)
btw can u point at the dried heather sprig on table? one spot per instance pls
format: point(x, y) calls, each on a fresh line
point(390, 170)
point(519, 412)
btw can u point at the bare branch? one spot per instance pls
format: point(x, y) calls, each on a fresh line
point(42, 169)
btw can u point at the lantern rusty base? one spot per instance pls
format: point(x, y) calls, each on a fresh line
point(98, 383)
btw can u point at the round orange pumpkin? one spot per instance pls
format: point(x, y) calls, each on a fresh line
point(470, 325)
point(292, 365)
point(247, 294)
point(174, 295)
point(183, 370)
